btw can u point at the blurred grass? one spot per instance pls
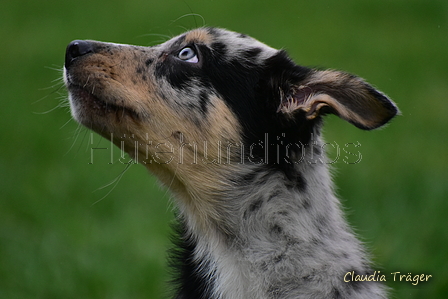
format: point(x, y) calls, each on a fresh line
point(59, 238)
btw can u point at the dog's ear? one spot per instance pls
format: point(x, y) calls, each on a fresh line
point(345, 95)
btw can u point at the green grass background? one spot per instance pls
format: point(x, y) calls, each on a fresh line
point(63, 236)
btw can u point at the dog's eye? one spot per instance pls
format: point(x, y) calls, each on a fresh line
point(188, 54)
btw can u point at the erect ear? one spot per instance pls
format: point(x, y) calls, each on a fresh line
point(345, 95)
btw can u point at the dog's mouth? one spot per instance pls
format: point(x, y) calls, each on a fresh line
point(95, 105)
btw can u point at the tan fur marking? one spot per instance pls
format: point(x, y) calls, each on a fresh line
point(199, 35)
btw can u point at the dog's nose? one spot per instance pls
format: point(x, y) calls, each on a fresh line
point(76, 49)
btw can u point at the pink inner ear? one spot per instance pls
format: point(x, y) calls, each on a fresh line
point(295, 99)
point(301, 94)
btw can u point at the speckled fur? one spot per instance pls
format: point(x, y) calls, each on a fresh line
point(233, 129)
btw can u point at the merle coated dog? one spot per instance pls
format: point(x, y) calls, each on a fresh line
point(232, 127)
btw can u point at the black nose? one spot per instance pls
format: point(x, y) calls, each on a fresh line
point(76, 49)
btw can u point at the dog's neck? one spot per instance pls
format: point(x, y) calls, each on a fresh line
point(271, 232)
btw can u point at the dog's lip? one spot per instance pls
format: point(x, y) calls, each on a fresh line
point(96, 103)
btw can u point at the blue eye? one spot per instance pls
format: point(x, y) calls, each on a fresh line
point(188, 54)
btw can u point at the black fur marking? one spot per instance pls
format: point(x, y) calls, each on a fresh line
point(181, 74)
point(220, 49)
point(142, 72)
point(283, 213)
point(276, 229)
point(214, 31)
point(178, 73)
point(320, 222)
point(316, 242)
point(274, 194)
point(191, 284)
point(252, 53)
point(306, 204)
point(149, 61)
point(277, 259)
point(256, 205)
point(252, 91)
point(253, 207)
point(296, 181)
point(274, 292)
point(336, 294)
point(308, 277)
point(203, 101)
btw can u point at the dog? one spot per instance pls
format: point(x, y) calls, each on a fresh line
point(232, 127)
